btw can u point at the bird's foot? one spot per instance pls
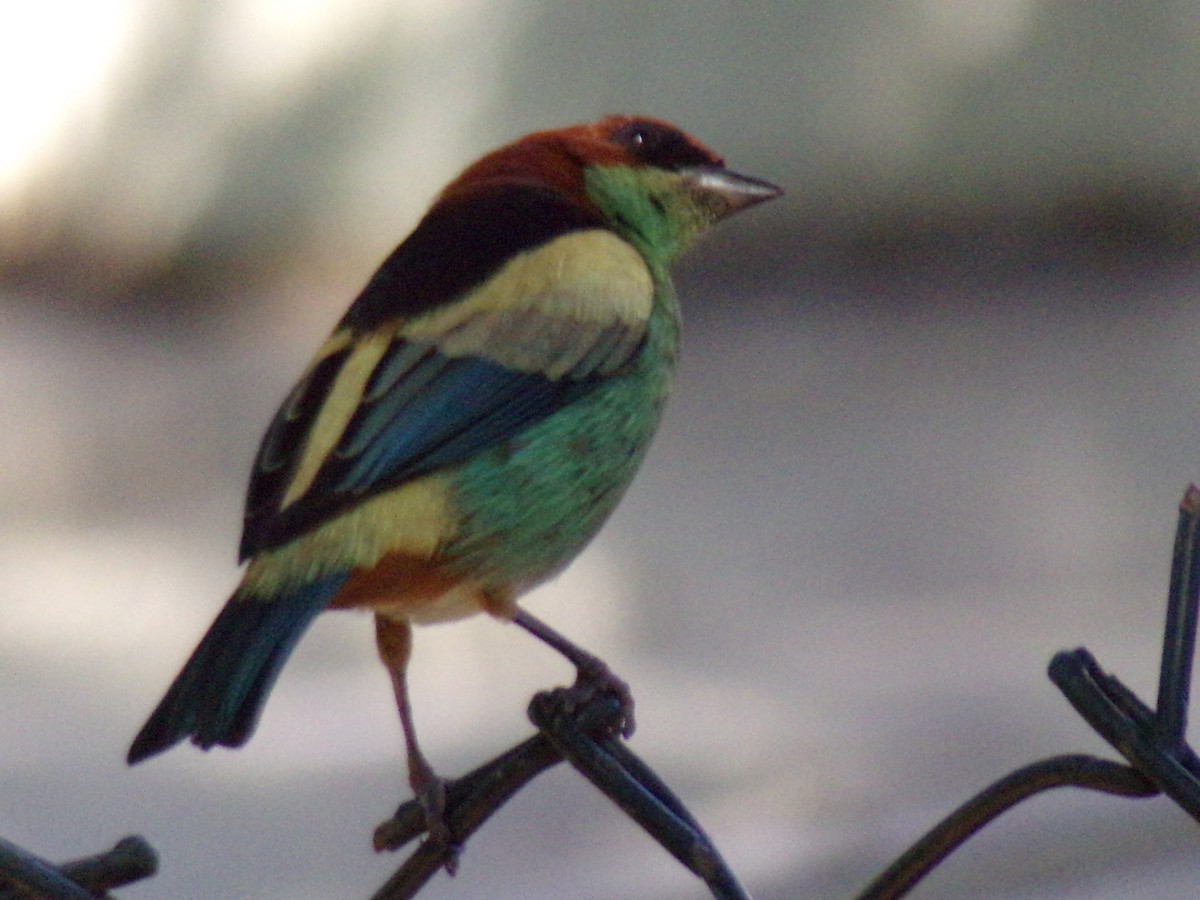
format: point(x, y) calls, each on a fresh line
point(431, 794)
point(593, 676)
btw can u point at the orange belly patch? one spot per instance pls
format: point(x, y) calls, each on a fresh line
point(409, 588)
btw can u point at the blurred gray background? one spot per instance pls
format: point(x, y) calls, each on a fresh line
point(936, 410)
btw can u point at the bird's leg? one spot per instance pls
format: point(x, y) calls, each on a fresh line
point(394, 640)
point(592, 672)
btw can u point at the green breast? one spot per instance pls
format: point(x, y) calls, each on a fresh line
point(529, 506)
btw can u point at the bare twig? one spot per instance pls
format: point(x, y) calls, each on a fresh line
point(946, 837)
point(470, 801)
point(132, 859)
point(24, 876)
point(1179, 637)
point(581, 726)
point(1117, 715)
point(612, 767)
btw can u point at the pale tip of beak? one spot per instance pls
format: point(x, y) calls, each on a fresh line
point(735, 192)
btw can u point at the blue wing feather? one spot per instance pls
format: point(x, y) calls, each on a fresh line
point(459, 407)
point(421, 410)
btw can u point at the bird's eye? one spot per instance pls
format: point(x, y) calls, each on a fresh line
point(636, 136)
point(658, 144)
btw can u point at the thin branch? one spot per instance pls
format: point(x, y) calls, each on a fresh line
point(470, 801)
point(25, 876)
point(1117, 715)
point(949, 834)
point(1179, 637)
point(581, 726)
point(130, 860)
point(613, 768)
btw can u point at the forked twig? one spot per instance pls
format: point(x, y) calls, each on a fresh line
point(583, 729)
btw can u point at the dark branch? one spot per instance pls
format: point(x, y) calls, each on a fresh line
point(946, 837)
point(581, 726)
point(28, 877)
point(470, 801)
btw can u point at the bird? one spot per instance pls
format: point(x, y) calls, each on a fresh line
point(470, 423)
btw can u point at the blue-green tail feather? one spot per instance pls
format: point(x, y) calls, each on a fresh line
point(217, 696)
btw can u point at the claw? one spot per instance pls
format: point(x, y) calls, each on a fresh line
point(431, 794)
point(593, 676)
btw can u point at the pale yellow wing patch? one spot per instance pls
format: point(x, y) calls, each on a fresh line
point(414, 519)
point(576, 306)
point(339, 406)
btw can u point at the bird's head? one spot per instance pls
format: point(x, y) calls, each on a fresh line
point(655, 185)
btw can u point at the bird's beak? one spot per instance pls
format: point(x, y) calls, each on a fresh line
point(725, 192)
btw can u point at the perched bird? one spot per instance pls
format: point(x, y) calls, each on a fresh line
point(471, 422)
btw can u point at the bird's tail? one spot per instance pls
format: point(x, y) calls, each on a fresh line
point(217, 696)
